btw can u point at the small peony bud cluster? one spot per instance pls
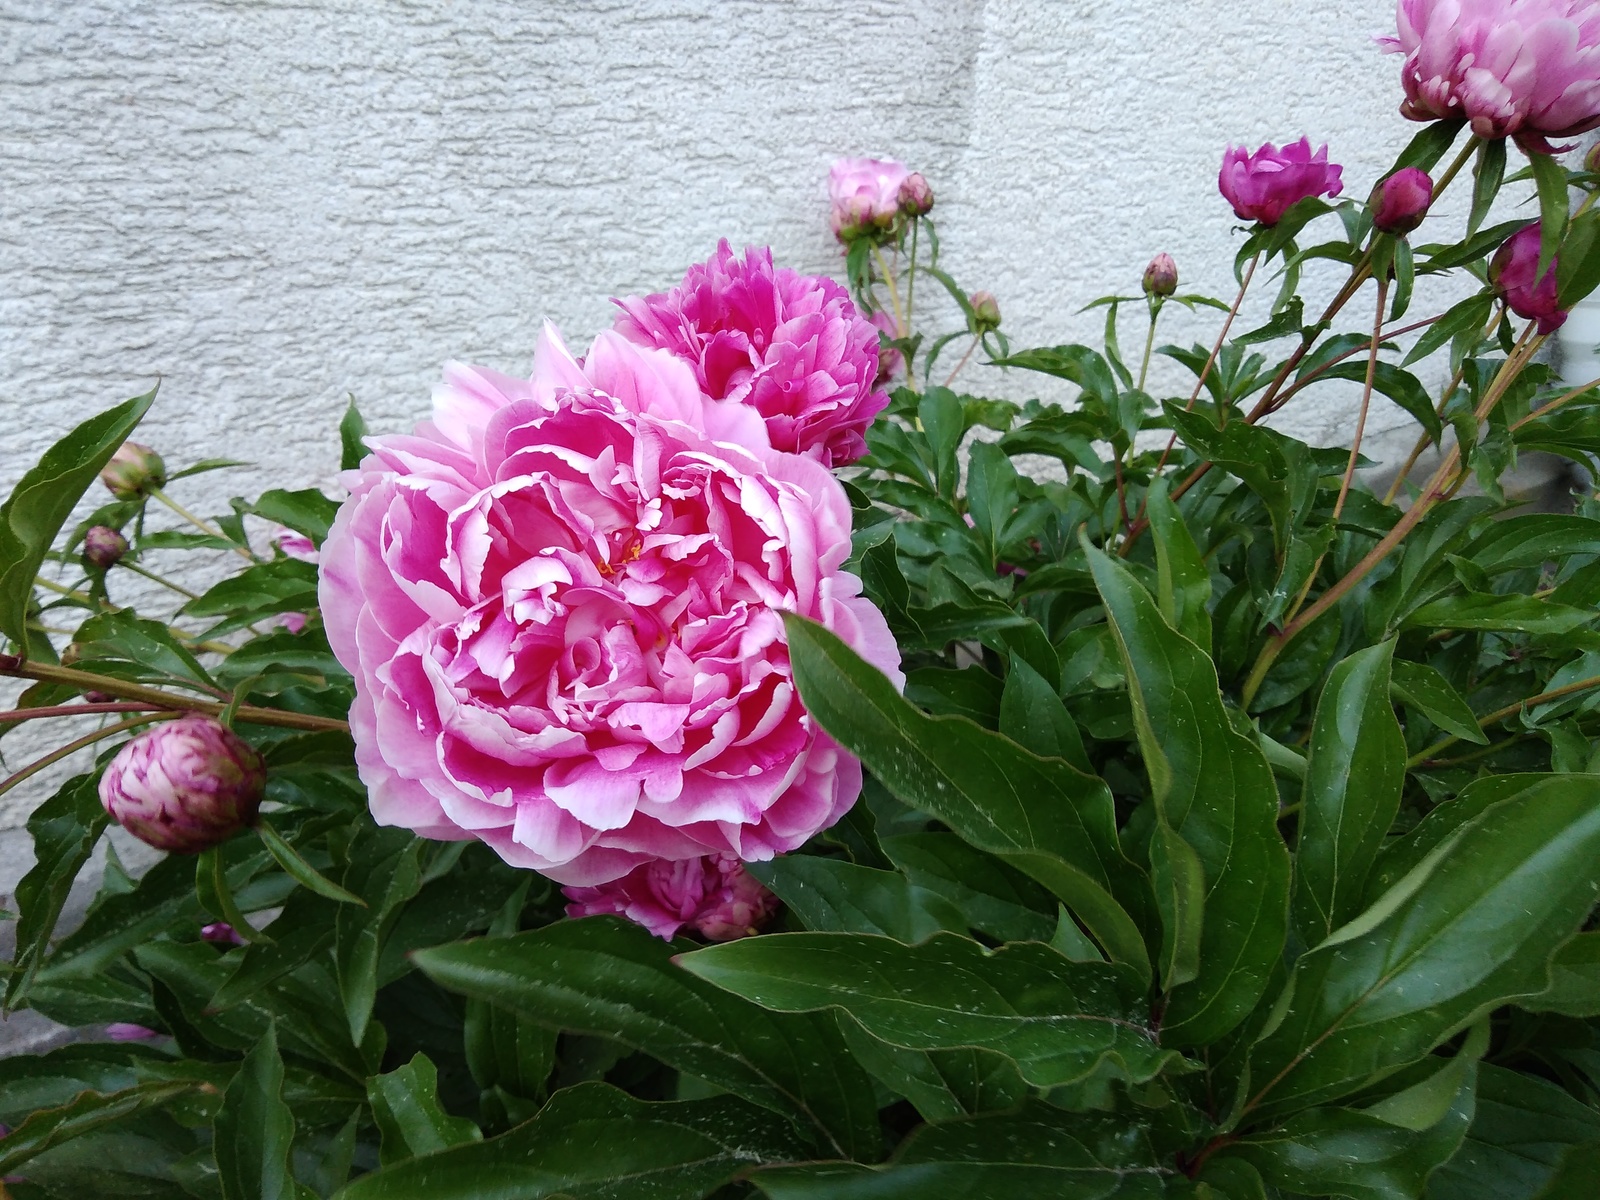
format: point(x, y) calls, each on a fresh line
point(713, 896)
point(1161, 277)
point(184, 785)
point(134, 470)
point(103, 547)
point(872, 196)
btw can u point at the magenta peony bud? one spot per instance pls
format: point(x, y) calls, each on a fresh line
point(916, 197)
point(104, 546)
point(985, 311)
point(1528, 67)
point(221, 933)
point(1161, 276)
point(866, 196)
point(184, 785)
point(712, 895)
point(294, 545)
point(133, 470)
point(1511, 272)
point(1265, 185)
point(1401, 201)
point(127, 1031)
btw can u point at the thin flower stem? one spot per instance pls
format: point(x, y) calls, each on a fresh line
point(894, 288)
point(18, 715)
point(911, 278)
point(87, 681)
point(1149, 345)
point(976, 338)
point(1323, 368)
point(72, 747)
point(1454, 169)
point(1510, 710)
point(154, 578)
point(199, 524)
point(1566, 398)
point(51, 585)
point(1366, 403)
point(1270, 401)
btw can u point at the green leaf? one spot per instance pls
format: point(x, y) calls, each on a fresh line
point(385, 871)
point(996, 899)
point(283, 585)
point(1355, 770)
point(1183, 582)
point(1035, 1153)
point(1578, 272)
point(307, 511)
point(211, 889)
point(123, 637)
point(1471, 314)
point(1519, 1133)
point(940, 1083)
point(301, 932)
point(39, 505)
point(1487, 174)
point(1179, 882)
point(593, 1142)
point(1426, 149)
point(352, 437)
point(1508, 614)
point(1550, 177)
point(410, 1119)
point(1574, 989)
point(255, 1129)
point(1059, 1021)
point(85, 1113)
point(1033, 716)
point(1400, 385)
point(504, 1049)
point(944, 424)
point(611, 978)
point(1041, 815)
point(1213, 787)
point(991, 494)
point(64, 829)
point(298, 869)
point(1471, 926)
point(829, 894)
point(1419, 686)
point(1077, 364)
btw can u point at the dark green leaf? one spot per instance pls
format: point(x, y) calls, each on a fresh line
point(255, 1129)
point(1421, 687)
point(1213, 787)
point(300, 870)
point(1487, 174)
point(1400, 385)
point(832, 895)
point(1574, 980)
point(1355, 769)
point(410, 1119)
point(1077, 364)
point(385, 871)
point(603, 976)
point(39, 505)
point(1183, 582)
point(352, 437)
point(996, 899)
point(1550, 177)
point(945, 424)
point(1059, 1021)
point(1469, 314)
point(1512, 614)
point(307, 511)
point(302, 931)
point(1032, 715)
point(1519, 1133)
point(211, 889)
point(991, 493)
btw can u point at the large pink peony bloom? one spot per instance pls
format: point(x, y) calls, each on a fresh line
point(791, 346)
point(561, 599)
point(1507, 66)
point(1265, 185)
point(866, 195)
point(714, 896)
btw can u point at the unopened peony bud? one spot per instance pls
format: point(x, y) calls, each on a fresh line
point(985, 311)
point(1591, 161)
point(127, 1031)
point(1401, 201)
point(104, 546)
point(1161, 276)
point(133, 470)
point(916, 197)
point(1511, 273)
point(221, 933)
point(185, 785)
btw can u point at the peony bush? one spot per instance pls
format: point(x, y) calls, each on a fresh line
point(726, 763)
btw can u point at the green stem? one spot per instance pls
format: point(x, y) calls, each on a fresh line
point(154, 578)
point(1149, 345)
point(1454, 169)
point(894, 288)
point(911, 281)
point(72, 747)
point(1510, 710)
point(199, 524)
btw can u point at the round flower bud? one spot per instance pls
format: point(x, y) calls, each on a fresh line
point(1511, 273)
point(985, 311)
point(916, 197)
point(133, 470)
point(1161, 276)
point(185, 785)
point(1591, 161)
point(104, 547)
point(1401, 201)
point(713, 896)
point(221, 933)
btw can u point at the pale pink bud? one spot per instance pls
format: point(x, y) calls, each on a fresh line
point(185, 785)
point(1161, 276)
point(294, 544)
point(1401, 201)
point(104, 546)
point(865, 193)
point(133, 470)
point(985, 310)
point(127, 1031)
point(916, 197)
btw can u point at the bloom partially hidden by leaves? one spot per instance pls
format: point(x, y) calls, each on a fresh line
point(184, 785)
point(134, 470)
point(1400, 202)
point(791, 346)
point(1265, 185)
point(866, 196)
point(104, 546)
point(1513, 273)
point(561, 601)
point(1508, 67)
point(713, 896)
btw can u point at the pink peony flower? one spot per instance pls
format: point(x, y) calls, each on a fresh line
point(1527, 67)
point(866, 195)
point(184, 785)
point(127, 1031)
point(294, 545)
point(791, 346)
point(1401, 201)
point(561, 599)
point(713, 895)
point(1265, 185)
point(221, 933)
point(1511, 272)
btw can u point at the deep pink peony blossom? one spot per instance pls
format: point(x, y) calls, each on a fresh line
point(1509, 67)
point(184, 785)
point(714, 896)
point(1511, 272)
point(561, 600)
point(294, 544)
point(791, 346)
point(1265, 185)
point(1400, 202)
point(866, 195)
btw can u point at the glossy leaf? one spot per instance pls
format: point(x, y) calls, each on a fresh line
point(1213, 787)
point(1033, 716)
point(991, 494)
point(301, 932)
point(832, 895)
point(995, 898)
point(85, 1113)
point(42, 500)
point(1355, 770)
point(1574, 980)
point(385, 871)
point(603, 976)
point(1184, 582)
point(1059, 1021)
point(405, 1105)
point(302, 872)
point(939, 1083)
point(1419, 686)
point(1471, 926)
point(1511, 614)
point(255, 1129)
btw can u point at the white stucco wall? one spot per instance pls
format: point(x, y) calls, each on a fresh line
point(269, 205)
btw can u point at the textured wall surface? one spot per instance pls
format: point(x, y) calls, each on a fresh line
point(269, 205)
